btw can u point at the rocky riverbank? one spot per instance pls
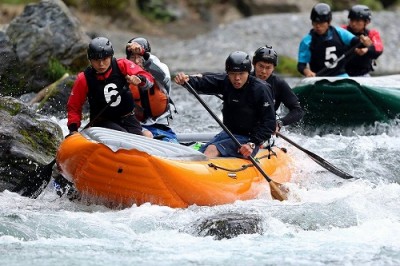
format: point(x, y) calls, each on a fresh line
point(207, 51)
point(174, 43)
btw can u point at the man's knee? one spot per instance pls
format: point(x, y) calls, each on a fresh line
point(211, 151)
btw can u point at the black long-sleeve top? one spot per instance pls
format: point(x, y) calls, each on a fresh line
point(282, 93)
point(246, 111)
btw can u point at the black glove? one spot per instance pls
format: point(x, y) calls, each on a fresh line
point(142, 78)
point(73, 128)
point(146, 56)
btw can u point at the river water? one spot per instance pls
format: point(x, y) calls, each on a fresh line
point(326, 221)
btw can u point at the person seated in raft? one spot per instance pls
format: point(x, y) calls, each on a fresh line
point(265, 59)
point(153, 107)
point(360, 64)
point(248, 107)
point(105, 85)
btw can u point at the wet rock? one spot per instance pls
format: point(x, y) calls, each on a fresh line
point(8, 65)
point(45, 33)
point(229, 225)
point(27, 140)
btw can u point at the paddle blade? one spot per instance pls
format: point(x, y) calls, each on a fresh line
point(36, 182)
point(277, 192)
point(331, 168)
point(319, 160)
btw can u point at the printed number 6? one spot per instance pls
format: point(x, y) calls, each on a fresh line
point(109, 91)
point(331, 56)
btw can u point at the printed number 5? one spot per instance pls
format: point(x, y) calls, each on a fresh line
point(331, 57)
point(109, 91)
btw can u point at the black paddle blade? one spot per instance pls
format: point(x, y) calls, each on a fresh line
point(36, 182)
point(333, 169)
point(319, 160)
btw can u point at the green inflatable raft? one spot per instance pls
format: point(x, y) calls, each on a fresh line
point(349, 102)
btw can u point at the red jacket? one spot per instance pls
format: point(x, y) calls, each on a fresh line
point(372, 34)
point(361, 65)
point(80, 88)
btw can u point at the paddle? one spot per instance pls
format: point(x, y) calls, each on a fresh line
point(349, 54)
point(275, 191)
point(36, 182)
point(328, 166)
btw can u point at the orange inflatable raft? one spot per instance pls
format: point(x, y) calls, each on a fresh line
point(121, 169)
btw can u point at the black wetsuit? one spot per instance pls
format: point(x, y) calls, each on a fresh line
point(247, 111)
point(282, 93)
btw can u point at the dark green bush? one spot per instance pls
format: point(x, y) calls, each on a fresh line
point(338, 5)
point(18, 2)
point(155, 10)
point(55, 70)
point(287, 66)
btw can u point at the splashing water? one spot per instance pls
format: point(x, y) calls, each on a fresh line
point(326, 221)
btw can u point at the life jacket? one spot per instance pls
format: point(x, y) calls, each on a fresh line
point(361, 65)
point(325, 50)
point(101, 91)
point(149, 103)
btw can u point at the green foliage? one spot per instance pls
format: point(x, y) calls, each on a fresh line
point(55, 69)
point(155, 10)
point(73, 3)
point(107, 7)
point(38, 139)
point(19, 2)
point(287, 66)
point(344, 5)
point(372, 4)
point(13, 108)
point(27, 139)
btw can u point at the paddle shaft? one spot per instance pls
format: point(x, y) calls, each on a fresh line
point(33, 188)
point(277, 192)
point(327, 165)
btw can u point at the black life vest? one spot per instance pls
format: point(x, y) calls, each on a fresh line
point(325, 50)
point(359, 65)
point(100, 93)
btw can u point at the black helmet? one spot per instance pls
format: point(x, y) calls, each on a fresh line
point(321, 13)
point(266, 54)
point(100, 48)
point(140, 40)
point(360, 12)
point(238, 61)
